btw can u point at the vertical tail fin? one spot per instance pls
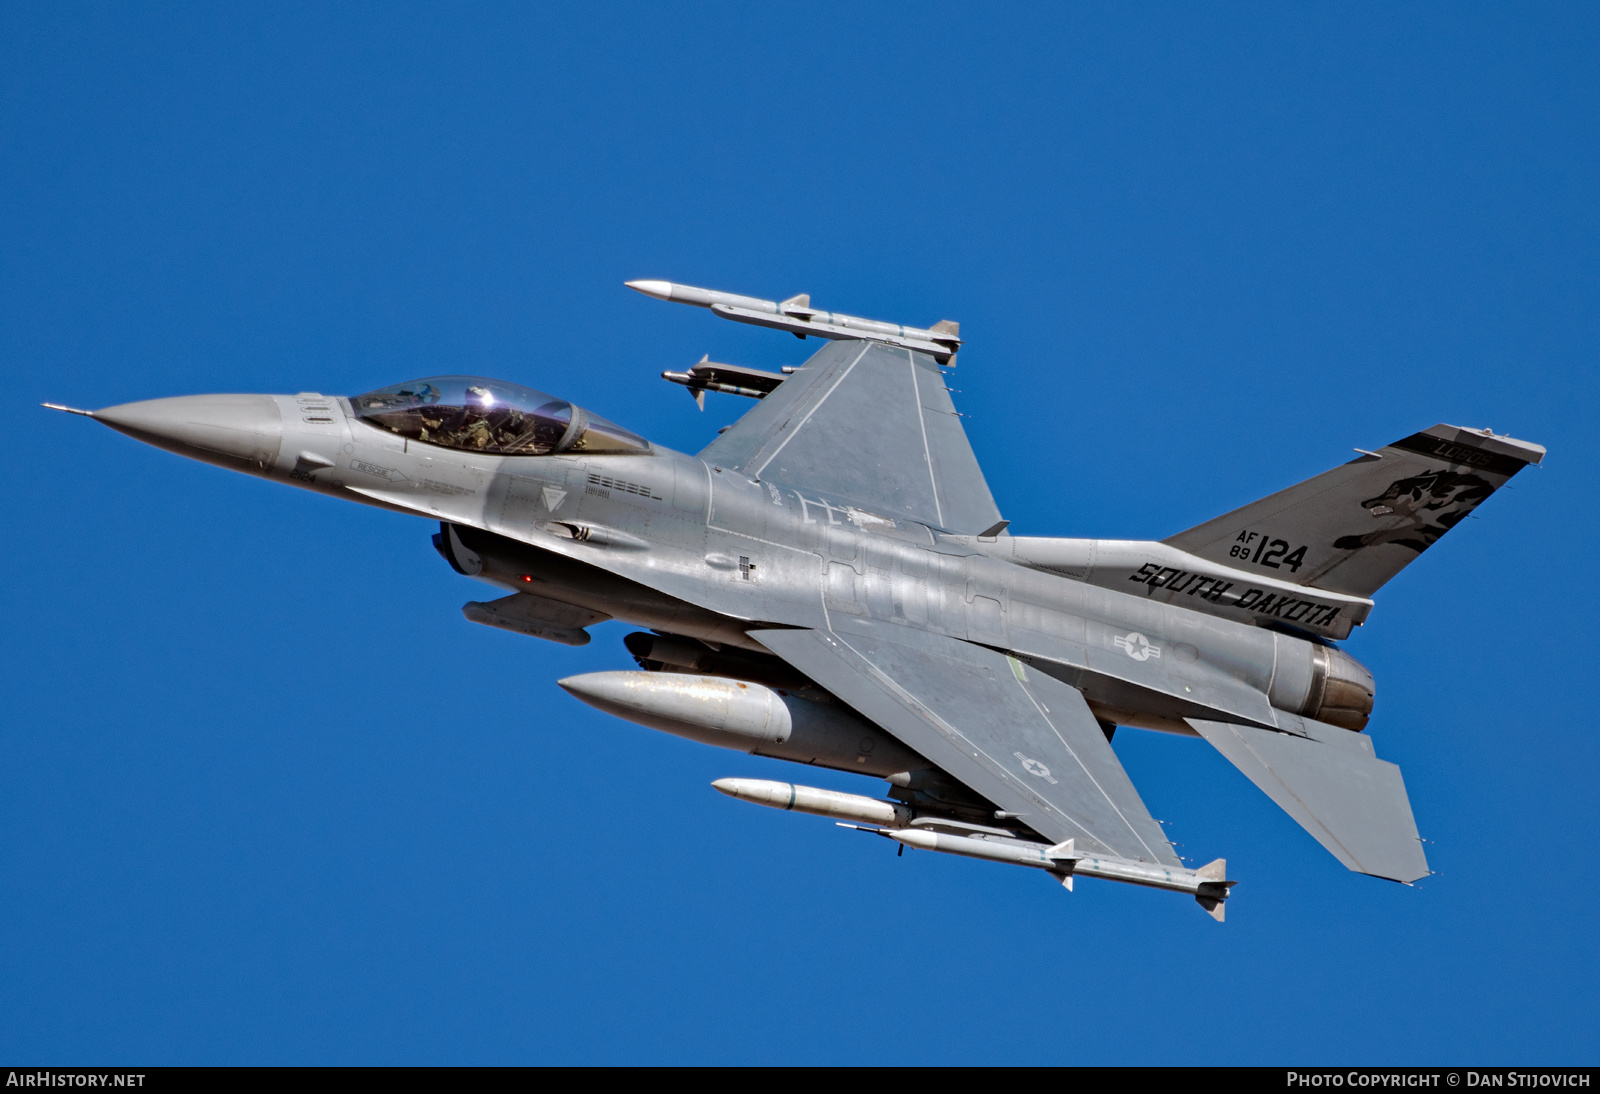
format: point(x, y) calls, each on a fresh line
point(1351, 529)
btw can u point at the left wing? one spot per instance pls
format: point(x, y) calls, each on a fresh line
point(1023, 740)
point(870, 425)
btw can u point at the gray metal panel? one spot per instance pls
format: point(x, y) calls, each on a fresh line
point(869, 425)
point(964, 497)
point(1353, 528)
point(537, 616)
point(1019, 738)
point(770, 420)
point(1353, 803)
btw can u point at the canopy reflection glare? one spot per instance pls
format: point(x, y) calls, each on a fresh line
point(492, 416)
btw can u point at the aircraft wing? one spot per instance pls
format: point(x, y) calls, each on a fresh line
point(869, 424)
point(1021, 739)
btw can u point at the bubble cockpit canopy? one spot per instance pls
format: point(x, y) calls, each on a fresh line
point(492, 416)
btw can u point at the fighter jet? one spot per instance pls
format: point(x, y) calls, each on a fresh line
point(830, 582)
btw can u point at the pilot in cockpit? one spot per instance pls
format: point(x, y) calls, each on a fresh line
point(492, 417)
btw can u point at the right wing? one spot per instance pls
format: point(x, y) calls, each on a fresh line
point(1017, 737)
point(871, 425)
point(1330, 782)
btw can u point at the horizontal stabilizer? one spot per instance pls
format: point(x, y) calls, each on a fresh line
point(1353, 803)
point(1351, 529)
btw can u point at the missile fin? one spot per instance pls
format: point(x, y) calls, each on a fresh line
point(1067, 851)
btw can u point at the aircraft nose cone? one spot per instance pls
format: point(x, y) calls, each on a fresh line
point(230, 430)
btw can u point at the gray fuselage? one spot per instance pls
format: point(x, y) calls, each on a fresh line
point(670, 542)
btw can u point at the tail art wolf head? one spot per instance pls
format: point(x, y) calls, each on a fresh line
point(1432, 504)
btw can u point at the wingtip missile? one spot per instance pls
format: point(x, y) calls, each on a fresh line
point(1214, 886)
point(661, 290)
point(702, 298)
point(798, 317)
point(1207, 884)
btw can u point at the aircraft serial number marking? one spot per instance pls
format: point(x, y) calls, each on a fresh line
point(1260, 549)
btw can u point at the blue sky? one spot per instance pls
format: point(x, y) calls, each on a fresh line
point(269, 798)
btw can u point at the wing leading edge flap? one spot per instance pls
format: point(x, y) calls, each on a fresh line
point(1021, 739)
point(1351, 802)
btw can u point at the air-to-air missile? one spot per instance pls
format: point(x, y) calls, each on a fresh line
point(896, 821)
point(822, 803)
point(798, 317)
point(708, 375)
